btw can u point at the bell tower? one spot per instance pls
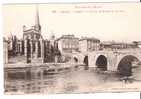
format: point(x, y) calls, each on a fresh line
point(33, 41)
point(37, 21)
point(34, 32)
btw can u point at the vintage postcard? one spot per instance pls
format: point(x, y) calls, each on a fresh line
point(71, 48)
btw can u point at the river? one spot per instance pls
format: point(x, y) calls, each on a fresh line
point(76, 81)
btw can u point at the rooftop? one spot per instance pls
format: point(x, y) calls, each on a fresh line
point(67, 37)
point(89, 38)
point(115, 43)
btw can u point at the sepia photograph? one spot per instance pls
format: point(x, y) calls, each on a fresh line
point(65, 48)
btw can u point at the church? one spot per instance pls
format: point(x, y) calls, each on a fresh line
point(33, 41)
point(33, 47)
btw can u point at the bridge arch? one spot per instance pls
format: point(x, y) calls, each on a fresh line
point(75, 59)
point(125, 65)
point(101, 62)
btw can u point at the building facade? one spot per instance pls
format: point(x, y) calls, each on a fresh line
point(68, 44)
point(112, 45)
point(89, 44)
point(137, 43)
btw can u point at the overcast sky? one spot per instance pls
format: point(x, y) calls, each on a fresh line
point(119, 21)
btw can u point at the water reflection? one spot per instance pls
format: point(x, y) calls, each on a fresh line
point(75, 81)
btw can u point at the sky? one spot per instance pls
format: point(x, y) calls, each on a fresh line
point(105, 21)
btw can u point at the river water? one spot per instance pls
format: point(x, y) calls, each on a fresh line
point(76, 81)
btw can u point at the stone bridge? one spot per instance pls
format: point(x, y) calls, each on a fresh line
point(108, 60)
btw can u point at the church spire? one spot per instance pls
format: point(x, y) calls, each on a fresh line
point(37, 21)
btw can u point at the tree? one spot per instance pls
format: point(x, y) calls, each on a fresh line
point(14, 45)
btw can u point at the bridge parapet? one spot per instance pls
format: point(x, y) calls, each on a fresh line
point(113, 57)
